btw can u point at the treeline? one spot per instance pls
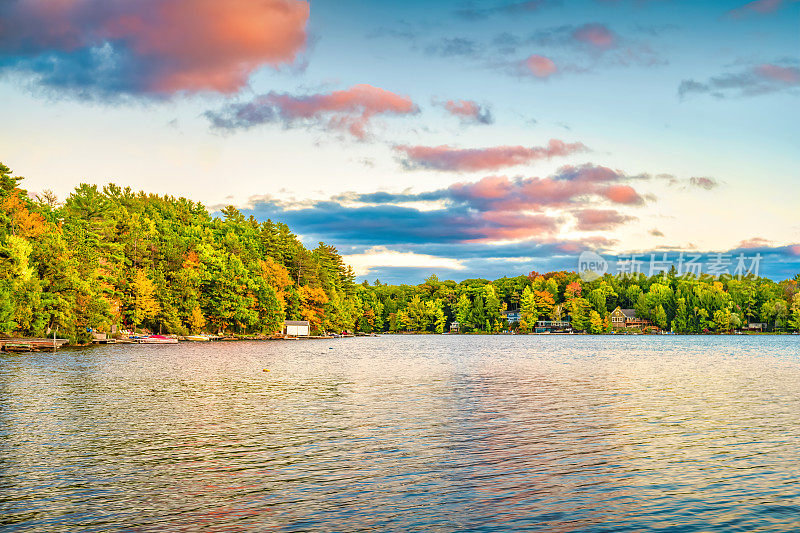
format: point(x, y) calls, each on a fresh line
point(113, 258)
point(684, 304)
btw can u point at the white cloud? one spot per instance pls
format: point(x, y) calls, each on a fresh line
point(381, 256)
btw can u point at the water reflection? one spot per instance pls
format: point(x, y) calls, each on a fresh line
point(425, 433)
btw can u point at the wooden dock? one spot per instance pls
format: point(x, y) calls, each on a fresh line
point(21, 344)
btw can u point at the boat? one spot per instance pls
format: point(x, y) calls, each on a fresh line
point(157, 339)
point(197, 338)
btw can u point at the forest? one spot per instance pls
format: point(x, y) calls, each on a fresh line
point(110, 259)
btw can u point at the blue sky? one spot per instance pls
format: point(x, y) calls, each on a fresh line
point(503, 136)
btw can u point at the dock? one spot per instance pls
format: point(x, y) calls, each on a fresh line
point(22, 344)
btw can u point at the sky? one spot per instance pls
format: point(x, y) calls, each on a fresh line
point(466, 139)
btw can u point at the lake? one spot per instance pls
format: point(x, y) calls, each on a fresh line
point(405, 433)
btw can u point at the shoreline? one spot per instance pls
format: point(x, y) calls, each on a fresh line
point(38, 347)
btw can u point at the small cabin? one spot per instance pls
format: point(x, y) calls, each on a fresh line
point(454, 327)
point(296, 328)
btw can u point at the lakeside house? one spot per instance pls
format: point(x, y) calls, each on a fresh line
point(454, 327)
point(626, 318)
point(296, 328)
point(756, 326)
point(513, 315)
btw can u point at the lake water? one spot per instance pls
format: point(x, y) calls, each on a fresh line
point(405, 433)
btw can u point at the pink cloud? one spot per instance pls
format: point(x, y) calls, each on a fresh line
point(569, 186)
point(759, 7)
point(623, 194)
point(755, 242)
point(469, 111)
point(509, 225)
point(350, 110)
point(540, 66)
point(787, 75)
point(600, 219)
point(161, 46)
point(595, 35)
point(473, 159)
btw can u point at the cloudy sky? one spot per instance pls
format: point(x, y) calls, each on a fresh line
point(463, 138)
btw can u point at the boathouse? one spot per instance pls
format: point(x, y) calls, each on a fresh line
point(553, 326)
point(296, 328)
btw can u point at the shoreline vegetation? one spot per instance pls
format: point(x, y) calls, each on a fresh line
point(109, 259)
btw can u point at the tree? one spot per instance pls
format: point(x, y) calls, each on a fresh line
point(794, 320)
point(197, 321)
point(418, 314)
point(464, 312)
point(145, 306)
point(595, 322)
point(312, 306)
point(529, 313)
point(544, 303)
point(492, 308)
point(660, 317)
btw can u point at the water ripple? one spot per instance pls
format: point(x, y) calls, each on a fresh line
point(405, 433)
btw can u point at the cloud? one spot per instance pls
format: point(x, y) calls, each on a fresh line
point(492, 209)
point(755, 242)
point(469, 111)
point(599, 44)
point(348, 110)
point(656, 232)
point(539, 66)
point(571, 185)
point(600, 219)
point(622, 194)
point(470, 12)
point(447, 158)
point(704, 183)
point(149, 47)
point(391, 224)
point(759, 7)
point(453, 47)
point(595, 35)
point(592, 36)
point(381, 256)
point(756, 80)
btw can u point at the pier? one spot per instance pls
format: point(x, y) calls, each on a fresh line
point(21, 344)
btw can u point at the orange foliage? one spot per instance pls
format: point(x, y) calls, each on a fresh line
point(312, 306)
point(276, 275)
point(573, 290)
point(544, 302)
point(191, 261)
point(23, 222)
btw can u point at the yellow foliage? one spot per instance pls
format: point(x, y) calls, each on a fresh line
point(145, 305)
point(196, 321)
